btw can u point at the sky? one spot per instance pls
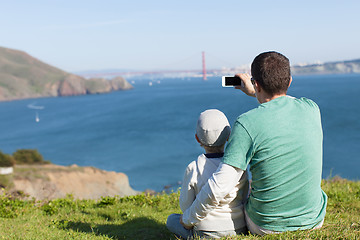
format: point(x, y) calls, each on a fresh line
point(79, 35)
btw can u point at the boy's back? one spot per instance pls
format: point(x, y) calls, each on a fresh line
point(227, 218)
point(228, 215)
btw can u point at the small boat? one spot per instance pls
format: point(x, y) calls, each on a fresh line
point(37, 119)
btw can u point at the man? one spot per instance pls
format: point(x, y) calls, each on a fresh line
point(281, 141)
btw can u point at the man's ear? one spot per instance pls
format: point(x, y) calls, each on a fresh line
point(290, 81)
point(197, 139)
point(257, 86)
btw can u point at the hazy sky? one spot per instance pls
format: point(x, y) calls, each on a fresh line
point(81, 35)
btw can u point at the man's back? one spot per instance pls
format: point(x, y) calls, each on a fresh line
point(282, 142)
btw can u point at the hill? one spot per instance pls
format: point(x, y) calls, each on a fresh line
point(144, 216)
point(23, 76)
point(340, 67)
point(50, 181)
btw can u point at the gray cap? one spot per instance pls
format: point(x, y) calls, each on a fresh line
point(213, 128)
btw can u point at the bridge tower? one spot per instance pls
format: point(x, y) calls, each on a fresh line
point(204, 66)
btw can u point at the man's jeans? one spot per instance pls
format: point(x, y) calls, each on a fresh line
point(255, 229)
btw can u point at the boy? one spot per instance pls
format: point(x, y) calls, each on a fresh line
point(227, 218)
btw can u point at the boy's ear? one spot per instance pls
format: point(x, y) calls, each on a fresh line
point(197, 139)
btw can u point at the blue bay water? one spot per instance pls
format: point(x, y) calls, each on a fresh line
point(148, 132)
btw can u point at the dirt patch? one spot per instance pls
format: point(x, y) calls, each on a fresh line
point(53, 181)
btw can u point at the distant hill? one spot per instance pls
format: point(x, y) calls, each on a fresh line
point(23, 76)
point(352, 66)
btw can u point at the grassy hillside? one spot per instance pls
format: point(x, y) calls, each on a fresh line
point(144, 217)
point(23, 76)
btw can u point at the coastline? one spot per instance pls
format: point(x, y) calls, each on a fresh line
point(50, 181)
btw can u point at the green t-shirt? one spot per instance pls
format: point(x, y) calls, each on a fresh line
point(282, 142)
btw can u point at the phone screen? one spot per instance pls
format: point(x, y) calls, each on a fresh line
point(231, 81)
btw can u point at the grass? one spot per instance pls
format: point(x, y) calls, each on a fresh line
point(6, 181)
point(144, 217)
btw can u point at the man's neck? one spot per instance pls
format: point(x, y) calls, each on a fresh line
point(267, 98)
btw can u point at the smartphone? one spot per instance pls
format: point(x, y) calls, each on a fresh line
point(230, 81)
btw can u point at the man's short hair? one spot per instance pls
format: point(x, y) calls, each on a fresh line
point(272, 71)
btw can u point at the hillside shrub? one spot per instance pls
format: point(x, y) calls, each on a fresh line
point(29, 156)
point(6, 160)
point(11, 208)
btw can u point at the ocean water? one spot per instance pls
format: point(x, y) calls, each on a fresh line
point(148, 132)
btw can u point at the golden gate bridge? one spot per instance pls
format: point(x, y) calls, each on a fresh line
point(204, 72)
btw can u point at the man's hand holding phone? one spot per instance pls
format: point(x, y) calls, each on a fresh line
point(240, 81)
point(246, 85)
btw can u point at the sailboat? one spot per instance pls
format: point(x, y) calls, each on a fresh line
point(37, 119)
